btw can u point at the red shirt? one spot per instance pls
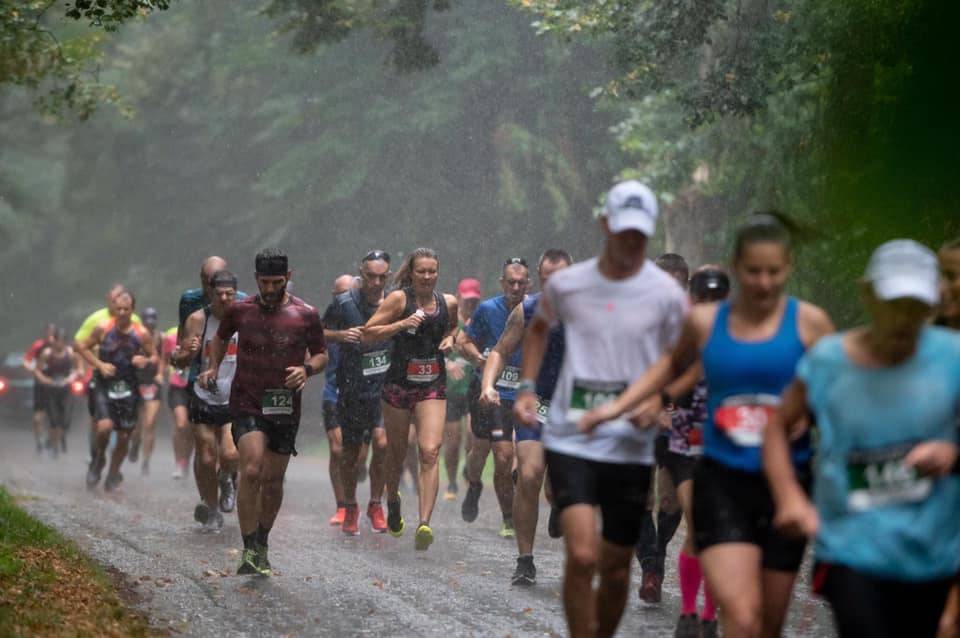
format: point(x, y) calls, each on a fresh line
point(35, 348)
point(269, 342)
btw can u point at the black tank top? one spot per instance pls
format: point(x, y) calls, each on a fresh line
point(417, 362)
point(58, 367)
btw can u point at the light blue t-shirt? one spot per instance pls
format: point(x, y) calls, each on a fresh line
point(876, 515)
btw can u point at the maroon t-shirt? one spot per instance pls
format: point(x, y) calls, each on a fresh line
point(268, 342)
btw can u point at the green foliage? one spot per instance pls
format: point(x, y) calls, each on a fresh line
point(110, 14)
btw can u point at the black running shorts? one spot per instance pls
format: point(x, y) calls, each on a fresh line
point(281, 437)
point(620, 490)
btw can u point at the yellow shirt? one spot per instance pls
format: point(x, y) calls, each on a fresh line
point(90, 323)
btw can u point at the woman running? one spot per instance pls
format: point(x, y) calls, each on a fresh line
point(749, 348)
point(884, 511)
point(422, 323)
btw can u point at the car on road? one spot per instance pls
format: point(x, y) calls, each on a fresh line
point(16, 385)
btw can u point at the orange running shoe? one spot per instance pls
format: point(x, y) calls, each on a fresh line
point(351, 522)
point(377, 520)
point(337, 519)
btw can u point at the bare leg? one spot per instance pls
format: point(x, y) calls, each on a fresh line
point(182, 437)
point(502, 476)
point(777, 589)
point(148, 425)
point(39, 426)
point(733, 574)
point(477, 459)
point(411, 460)
point(614, 585)
point(378, 462)
point(430, 425)
point(451, 454)
point(397, 426)
point(252, 448)
point(119, 452)
point(335, 438)
point(206, 467)
point(349, 471)
point(526, 502)
point(271, 486)
point(582, 548)
point(229, 456)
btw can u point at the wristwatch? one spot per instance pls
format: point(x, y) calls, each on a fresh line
point(309, 369)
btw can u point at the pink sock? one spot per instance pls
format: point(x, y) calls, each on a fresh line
point(690, 576)
point(709, 607)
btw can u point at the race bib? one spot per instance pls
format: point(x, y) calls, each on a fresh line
point(119, 390)
point(695, 440)
point(587, 395)
point(374, 363)
point(880, 478)
point(423, 370)
point(277, 402)
point(743, 418)
point(509, 378)
point(148, 392)
point(543, 409)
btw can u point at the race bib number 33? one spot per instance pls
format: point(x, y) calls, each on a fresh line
point(423, 370)
point(277, 402)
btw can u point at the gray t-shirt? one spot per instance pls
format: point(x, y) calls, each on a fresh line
point(615, 330)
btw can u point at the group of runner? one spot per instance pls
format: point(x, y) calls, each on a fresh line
point(625, 381)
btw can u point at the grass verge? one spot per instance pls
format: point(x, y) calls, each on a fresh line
point(49, 588)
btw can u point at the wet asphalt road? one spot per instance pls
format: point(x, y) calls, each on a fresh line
point(323, 583)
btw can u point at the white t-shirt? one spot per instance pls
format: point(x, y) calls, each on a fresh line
point(228, 366)
point(615, 330)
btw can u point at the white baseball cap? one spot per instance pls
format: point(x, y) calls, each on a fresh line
point(904, 268)
point(631, 206)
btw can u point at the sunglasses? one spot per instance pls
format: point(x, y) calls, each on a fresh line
point(376, 255)
point(516, 261)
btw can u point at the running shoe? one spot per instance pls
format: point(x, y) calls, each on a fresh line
point(688, 626)
point(525, 575)
point(351, 520)
point(506, 530)
point(214, 522)
point(93, 473)
point(708, 629)
point(337, 518)
point(179, 472)
point(228, 493)
point(263, 563)
point(471, 502)
point(378, 522)
point(553, 523)
point(395, 522)
point(650, 588)
point(248, 563)
point(424, 537)
point(113, 481)
point(201, 513)
point(451, 493)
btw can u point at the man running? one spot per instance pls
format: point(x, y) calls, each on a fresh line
point(331, 419)
point(280, 345)
point(459, 376)
point(149, 382)
point(530, 457)
point(124, 347)
point(651, 549)
point(39, 389)
point(57, 366)
point(492, 424)
point(360, 377)
point(209, 407)
point(620, 313)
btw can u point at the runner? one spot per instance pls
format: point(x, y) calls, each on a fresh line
point(57, 367)
point(331, 419)
point(619, 313)
point(216, 463)
point(949, 317)
point(177, 400)
point(749, 348)
point(124, 347)
point(420, 322)
point(39, 389)
point(530, 458)
point(708, 284)
point(459, 374)
point(884, 514)
point(651, 549)
point(360, 384)
point(492, 423)
point(149, 382)
point(280, 344)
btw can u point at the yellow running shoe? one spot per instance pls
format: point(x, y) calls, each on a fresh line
point(395, 522)
point(424, 537)
point(506, 530)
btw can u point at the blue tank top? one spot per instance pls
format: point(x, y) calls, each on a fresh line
point(553, 357)
point(744, 384)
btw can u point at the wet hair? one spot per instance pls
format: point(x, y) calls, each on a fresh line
point(127, 293)
point(953, 244)
point(223, 279)
point(404, 276)
point(673, 264)
point(272, 262)
point(554, 254)
point(709, 283)
point(769, 226)
point(59, 334)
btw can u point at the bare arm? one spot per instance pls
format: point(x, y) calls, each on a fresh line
point(189, 343)
point(447, 343)
point(795, 514)
point(85, 350)
point(40, 363)
point(509, 341)
point(384, 323)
